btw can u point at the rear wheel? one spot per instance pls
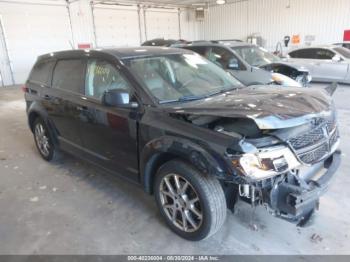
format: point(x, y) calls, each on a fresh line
point(192, 204)
point(43, 140)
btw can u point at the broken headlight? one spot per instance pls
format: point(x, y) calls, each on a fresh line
point(284, 80)
point(266, 162)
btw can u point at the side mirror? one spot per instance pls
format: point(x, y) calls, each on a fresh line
point(233, 64)
point(336, 58)
point(118, 98)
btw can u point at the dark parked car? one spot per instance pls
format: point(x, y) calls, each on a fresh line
point(186, 131)
point(249, 63)
point(162, 42)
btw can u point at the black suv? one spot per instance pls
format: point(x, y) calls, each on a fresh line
point(186, 131)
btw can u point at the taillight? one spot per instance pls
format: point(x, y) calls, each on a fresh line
point(25, 89)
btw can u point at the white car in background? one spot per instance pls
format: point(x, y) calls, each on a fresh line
point(345, 44)
point(326, 63)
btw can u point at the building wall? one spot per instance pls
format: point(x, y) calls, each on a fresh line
point(32, 27)
point(29, 28)
point(274, 19)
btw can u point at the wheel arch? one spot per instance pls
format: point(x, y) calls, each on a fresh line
point(35, 111)
point(161, 150)
point(32, 116)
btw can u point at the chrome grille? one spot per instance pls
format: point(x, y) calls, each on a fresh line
point(315, 154)
point(307, 139)
point(334, 138)
point(314, 145)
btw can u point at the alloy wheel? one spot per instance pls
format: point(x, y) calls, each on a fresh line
point(42, 139)
point(181, 203)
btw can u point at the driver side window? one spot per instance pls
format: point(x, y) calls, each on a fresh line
point(102, 76)
point(223, 58)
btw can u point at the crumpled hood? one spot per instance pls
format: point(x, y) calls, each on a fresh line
point(297, 65)
point(271, 107)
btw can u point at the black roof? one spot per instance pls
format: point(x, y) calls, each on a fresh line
point(120, 53)
point(143, 51)
point(228, 43)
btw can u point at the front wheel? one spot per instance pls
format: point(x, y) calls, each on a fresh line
point(192, 204)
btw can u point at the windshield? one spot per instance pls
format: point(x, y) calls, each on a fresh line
point(181, 77)
point(343, 51)
point(256, 56)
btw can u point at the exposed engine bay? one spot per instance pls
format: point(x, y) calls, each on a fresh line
point(292, 192)
point(237, 127)
point(300, 76)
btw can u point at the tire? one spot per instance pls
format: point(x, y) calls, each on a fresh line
point(207, 214)
point(44, 141)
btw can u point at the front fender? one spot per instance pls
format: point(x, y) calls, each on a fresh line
point(162, 149)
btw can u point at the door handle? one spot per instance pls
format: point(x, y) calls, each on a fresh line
point(81, 108)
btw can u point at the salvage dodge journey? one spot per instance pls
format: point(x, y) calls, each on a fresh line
point(187, 132)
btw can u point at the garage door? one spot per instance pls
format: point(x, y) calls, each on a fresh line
point(116, 26)
point(31, 30)
point(162, 23)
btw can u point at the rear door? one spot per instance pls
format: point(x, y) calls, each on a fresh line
point(63, 100)
point(109, 133)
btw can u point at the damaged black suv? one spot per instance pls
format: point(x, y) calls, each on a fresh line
point(186, 131)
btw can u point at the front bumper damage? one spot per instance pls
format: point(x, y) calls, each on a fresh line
point(294, 198)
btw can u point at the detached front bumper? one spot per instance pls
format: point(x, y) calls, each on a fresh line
point(296, 203)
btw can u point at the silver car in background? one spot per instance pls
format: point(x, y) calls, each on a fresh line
point(250, 64)
point(345, 44)
point(326, 63)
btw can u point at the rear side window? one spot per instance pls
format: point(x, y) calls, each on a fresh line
point(324, 54)
point(41, 73)
point(222, 57)
point(69, 75)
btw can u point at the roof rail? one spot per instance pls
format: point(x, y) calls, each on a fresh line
point(203, 42)
point(228, 40)
point(198, 41)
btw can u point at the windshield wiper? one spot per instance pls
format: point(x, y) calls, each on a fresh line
point(182, 99)
point(221, 91)
point(193, 98)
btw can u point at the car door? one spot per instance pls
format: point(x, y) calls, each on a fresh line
point(306, 57)
point(329, 67)
point(63, 99)
point(109, 134)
